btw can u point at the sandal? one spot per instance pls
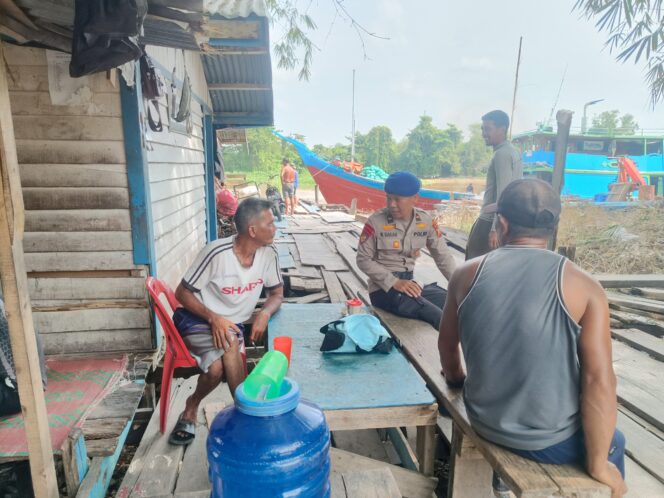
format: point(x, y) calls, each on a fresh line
point(183, 433)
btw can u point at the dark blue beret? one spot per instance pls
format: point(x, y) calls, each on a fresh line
point(402, 183)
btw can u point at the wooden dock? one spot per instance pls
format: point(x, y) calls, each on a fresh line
point(318, 262)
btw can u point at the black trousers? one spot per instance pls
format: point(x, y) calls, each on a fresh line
point(428, 307)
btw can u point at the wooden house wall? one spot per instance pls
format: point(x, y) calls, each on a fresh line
point(177, 173)
point(87, 294)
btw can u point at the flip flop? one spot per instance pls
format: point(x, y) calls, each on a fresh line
point(182, 427)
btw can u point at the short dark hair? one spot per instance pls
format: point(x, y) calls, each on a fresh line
point(499, 118)
point(248, 210)
point(285, 160)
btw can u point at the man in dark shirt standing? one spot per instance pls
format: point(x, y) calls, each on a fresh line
point(504, 168)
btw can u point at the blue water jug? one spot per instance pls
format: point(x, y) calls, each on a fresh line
point(277, 447)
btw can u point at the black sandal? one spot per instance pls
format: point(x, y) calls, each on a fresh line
point(183, 433)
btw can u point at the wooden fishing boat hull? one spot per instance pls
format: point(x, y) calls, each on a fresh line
point(341, 187)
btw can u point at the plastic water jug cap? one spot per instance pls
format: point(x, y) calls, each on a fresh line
point(287, 401)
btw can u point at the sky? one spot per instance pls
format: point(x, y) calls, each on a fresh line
point(453, 61)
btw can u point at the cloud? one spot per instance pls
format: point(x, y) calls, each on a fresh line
point(477, 63)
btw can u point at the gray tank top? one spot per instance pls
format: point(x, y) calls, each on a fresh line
point(520, 345)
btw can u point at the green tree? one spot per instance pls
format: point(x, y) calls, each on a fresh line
point(475, 154)
point(431, 151)
point(376, 147)
point(331, 153)
point(628, 125)
point(611, 122)
point(295, 48)
point(262, 153)
point(635, 31)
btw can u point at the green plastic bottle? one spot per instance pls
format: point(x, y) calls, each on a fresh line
point(264, 382)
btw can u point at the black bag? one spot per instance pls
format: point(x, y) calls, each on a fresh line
point(150, 83)
point(105, 34)
point(152, 91)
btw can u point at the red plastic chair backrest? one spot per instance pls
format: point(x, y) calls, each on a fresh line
point(174, 342)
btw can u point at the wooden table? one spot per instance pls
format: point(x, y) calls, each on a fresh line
point(356, 391)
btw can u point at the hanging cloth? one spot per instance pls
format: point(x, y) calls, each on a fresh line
point(184, 105)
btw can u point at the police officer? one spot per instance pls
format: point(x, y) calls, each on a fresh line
point(389, 245)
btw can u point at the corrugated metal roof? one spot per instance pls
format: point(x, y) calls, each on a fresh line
point(235, 8)
point(246, 69)
point(243, 61)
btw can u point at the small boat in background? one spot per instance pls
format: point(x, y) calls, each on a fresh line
point(598, 159)
point(341, 187)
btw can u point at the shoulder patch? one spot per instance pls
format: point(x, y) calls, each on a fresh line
point(436, 228)
point(367, 232)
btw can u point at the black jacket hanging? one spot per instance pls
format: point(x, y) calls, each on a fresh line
point(105, 34)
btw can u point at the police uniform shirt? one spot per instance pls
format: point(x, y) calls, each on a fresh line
point(388, 245)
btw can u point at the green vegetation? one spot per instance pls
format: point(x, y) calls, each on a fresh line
point(613, 123)
point(427, 151)
point(635, 31)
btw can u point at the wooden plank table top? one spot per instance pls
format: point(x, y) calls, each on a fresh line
point(344, 381)
point(356, 391)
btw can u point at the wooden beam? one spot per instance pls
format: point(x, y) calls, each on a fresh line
point(17, 303)
point(188, 5)
point(616, 281)
point(16, 13)
point(239, 86)
point(380, 418)
point(174, 15)
point(225, 119)
point(410, 483)
point(74, 460)
point(27, 33)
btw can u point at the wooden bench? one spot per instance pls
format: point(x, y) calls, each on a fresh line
point(474, 458)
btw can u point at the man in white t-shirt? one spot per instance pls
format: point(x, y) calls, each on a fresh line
point(219, 292)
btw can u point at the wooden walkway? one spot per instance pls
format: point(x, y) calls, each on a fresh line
point(159, 469)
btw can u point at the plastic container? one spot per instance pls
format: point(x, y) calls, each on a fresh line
point(264, 382)
point(284, 344)
point(354, 306)
point(272, 448)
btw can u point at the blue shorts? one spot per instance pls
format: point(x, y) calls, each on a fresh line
point(573, 450)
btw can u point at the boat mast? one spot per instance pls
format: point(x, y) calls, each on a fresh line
point(352, 143)
point(516, 84)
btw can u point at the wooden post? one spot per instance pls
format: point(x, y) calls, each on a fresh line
point(470, 473)
point(426, 448)
point(17, 304)
point(564, 119)
point(316, 194)
point(568, 251)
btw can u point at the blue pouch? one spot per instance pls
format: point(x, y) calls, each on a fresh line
point(360, 333)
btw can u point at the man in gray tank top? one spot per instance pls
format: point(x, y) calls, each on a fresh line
point(534, 331)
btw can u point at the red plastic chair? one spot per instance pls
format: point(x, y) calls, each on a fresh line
point(177, 355)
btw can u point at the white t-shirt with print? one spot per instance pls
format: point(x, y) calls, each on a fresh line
point(224, 286)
